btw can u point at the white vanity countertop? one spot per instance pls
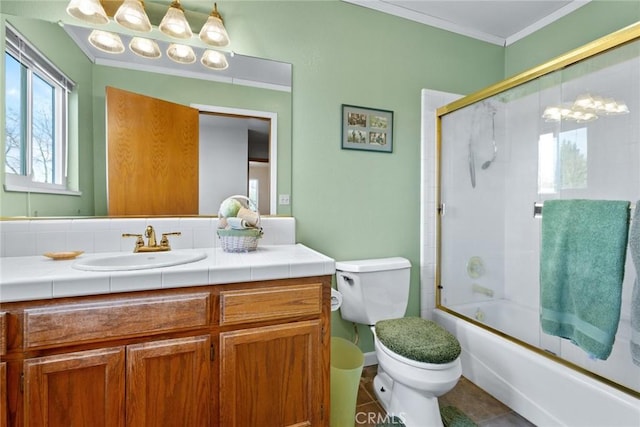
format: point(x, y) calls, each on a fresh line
point(37, 277)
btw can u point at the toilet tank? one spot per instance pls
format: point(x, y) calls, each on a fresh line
point(373, 289)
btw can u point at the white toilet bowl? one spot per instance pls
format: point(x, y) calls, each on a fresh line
point(409, 390)
point(418, 361)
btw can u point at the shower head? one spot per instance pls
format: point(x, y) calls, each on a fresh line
point(486, 164)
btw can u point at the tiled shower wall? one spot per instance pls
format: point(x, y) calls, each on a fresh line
point(431, 100)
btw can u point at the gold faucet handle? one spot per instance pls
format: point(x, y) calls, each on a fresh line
point(139, 241)
point(165, 241)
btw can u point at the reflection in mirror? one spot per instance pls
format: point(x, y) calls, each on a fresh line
point(231, 144)
point(244, 94)
point(571, 133)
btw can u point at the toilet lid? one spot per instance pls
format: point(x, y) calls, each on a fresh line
point(418, 339)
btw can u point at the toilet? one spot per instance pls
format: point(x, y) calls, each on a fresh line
point(418, 361)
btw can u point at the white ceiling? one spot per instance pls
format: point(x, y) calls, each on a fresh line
point(500, 22)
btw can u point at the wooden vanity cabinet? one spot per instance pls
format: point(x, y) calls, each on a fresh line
point(273, 375)
point(247, 354)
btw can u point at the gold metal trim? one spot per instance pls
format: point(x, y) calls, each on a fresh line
point(603, 44)
point(614, 40)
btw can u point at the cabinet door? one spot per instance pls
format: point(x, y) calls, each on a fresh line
point(271, 376)
point(84, 388)
point(3, 394)
point(169, 383)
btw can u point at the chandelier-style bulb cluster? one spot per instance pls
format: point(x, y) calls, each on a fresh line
point(586, 108)
point(131, 15)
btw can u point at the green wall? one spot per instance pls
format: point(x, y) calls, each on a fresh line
point(590, 22)
point(353, 204)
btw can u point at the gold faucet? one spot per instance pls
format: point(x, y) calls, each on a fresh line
point(152, 245)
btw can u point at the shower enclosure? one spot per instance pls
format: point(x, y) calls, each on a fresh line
point(569, 129)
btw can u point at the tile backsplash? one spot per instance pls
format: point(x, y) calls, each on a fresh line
point(37, 236)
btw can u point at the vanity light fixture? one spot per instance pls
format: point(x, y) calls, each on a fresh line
point(145, 48)
point(174, 23)
point(181, 53)
point(131, 15)
point(106, 41)
point(598, 104)
point(213, 31)
point(586, 108)
point(90, 11)
point(563, 112)
point(214, 60)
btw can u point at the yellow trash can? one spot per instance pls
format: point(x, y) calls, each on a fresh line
point(347, 361)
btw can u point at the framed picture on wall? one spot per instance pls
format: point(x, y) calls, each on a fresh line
point(367, 129)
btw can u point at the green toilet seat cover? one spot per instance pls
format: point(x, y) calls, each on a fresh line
point(418, 339)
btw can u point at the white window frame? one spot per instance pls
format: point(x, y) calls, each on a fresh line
point(37, 64)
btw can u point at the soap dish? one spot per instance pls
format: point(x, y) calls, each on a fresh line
point(59, 256)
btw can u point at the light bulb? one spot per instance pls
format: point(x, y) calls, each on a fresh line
point(214, 60)
point(90, 11)
point(106, 41)
point(174, 23)
point(181, 53)
point(131, 15)
point(145, 48)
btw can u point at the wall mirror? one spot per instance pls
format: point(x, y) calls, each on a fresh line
point(251, 89)
point(568, 129)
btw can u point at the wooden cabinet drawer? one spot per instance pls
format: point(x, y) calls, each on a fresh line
point(97, 321)
point(255, 305)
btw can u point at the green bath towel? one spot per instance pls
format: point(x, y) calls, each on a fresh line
point(634, 250)
point(582, 259)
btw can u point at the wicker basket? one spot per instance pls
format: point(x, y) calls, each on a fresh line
point(241, 240)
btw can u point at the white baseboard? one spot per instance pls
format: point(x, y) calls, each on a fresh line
point(370, 358)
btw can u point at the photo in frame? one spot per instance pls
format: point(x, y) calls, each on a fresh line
point(367, 129)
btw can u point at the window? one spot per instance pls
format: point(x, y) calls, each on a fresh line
point(562, 161)
point(36, 105)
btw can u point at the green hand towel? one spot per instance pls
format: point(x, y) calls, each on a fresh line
point(582, 259)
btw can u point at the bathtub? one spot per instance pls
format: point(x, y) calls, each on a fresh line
point(540, 388)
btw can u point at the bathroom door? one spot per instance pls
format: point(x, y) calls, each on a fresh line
point(152, 155)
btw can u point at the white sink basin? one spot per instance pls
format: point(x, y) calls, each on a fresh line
point(138, 261)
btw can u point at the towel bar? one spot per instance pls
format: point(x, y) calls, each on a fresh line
point(537, 210)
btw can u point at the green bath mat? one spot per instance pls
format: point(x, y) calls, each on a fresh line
point(393, 422)
point(451, 417)
point(454, 417)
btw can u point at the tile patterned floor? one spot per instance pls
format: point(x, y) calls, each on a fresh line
point(478, 405)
